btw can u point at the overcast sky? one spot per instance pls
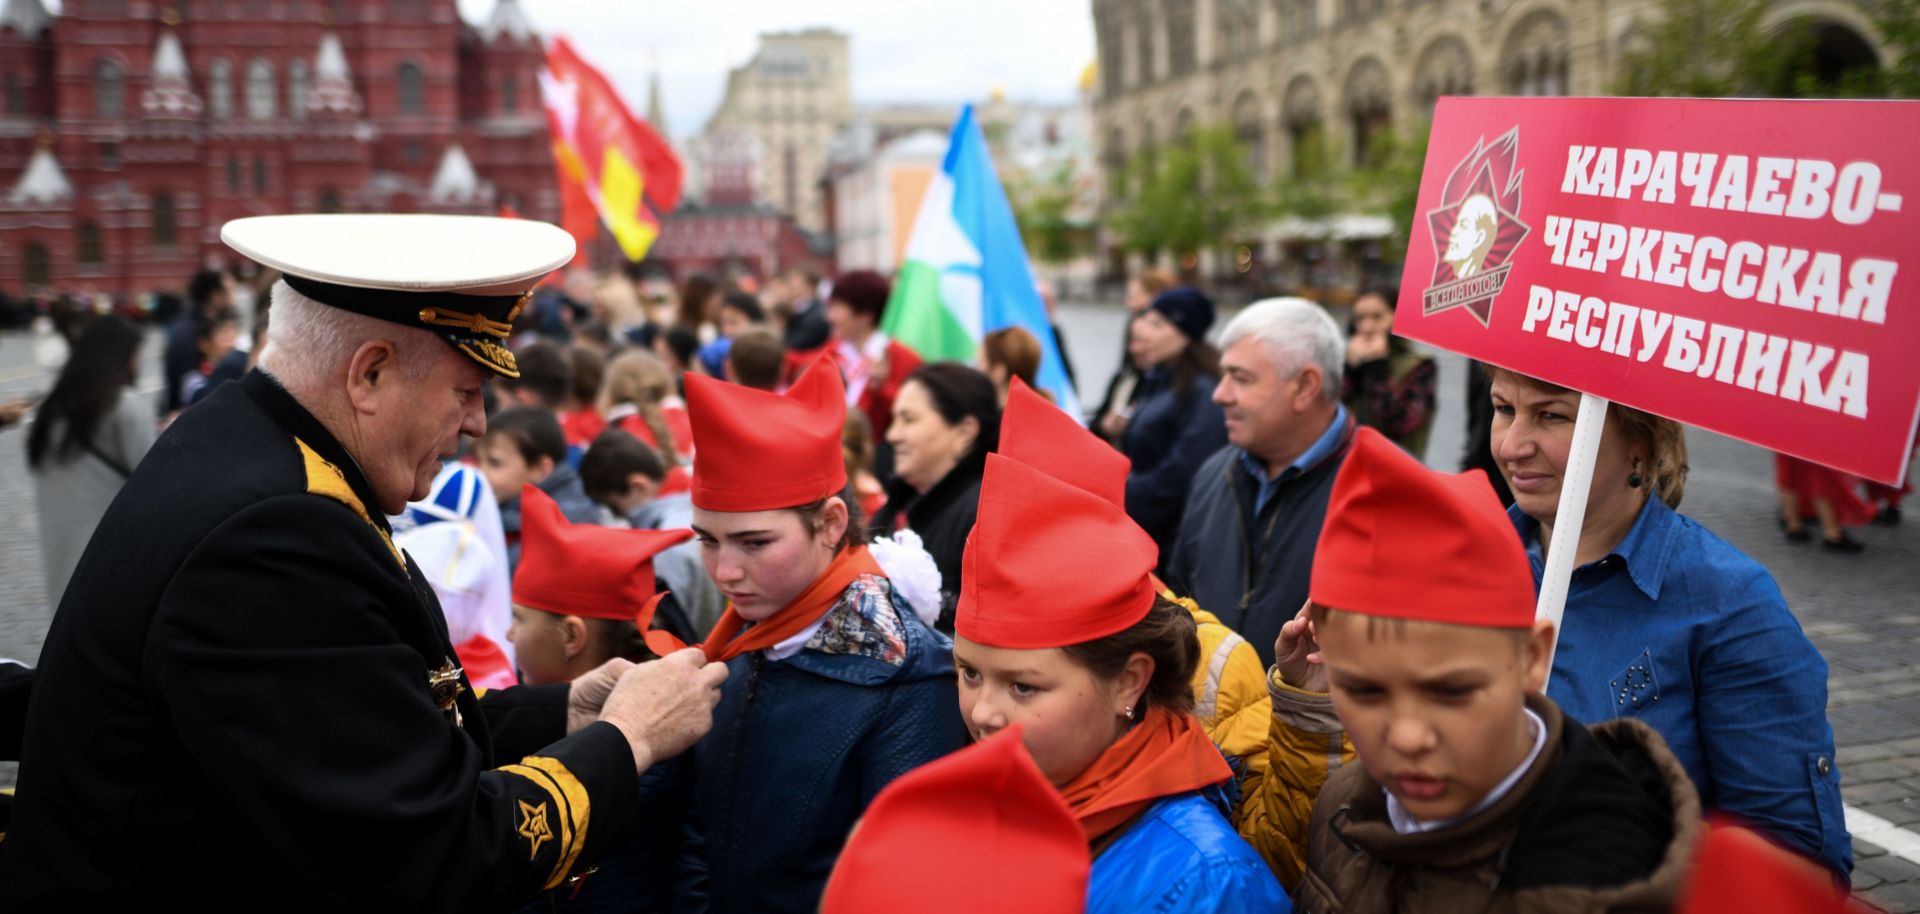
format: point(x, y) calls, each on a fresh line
point(903, 50)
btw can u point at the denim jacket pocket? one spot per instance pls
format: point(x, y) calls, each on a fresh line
point(1636, 687)
point(1823, 777)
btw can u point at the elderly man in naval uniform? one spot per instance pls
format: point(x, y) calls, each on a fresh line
point(247, 699)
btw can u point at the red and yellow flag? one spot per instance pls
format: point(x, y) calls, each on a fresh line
point(605, 156)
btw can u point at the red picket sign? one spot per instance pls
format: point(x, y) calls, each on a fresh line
point(1731, 264)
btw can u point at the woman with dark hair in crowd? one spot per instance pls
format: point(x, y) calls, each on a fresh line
point(836, 686)
point(1389, 385)
point(1109, 416)
point(945, 420)
point(699, 307)
point(87, 438)
point(1176, 425)
point(1061, 630)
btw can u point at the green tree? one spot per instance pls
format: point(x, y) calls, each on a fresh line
point(1388, 183)
point(1899, 25)
point(1045, 209)
point(1728, 48)
point(1199, 194)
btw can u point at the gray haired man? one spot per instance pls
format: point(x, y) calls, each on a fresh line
point(1253, 514)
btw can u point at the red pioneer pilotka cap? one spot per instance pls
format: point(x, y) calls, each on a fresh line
point(1042, 435)
point(1033, 526)
point(584, 569)
point(1405, 542)
point(1014, 845)
point(760, 451)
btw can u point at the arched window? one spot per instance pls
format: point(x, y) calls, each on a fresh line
point(107, 95)
point(1306, 135)
point(1112, 53)
point(1536, 56)
point(1182, 53)
point(16, 96)
point(1445, 68)
point(89, 250)
point(37, 268)
point(297, 89)
point(329, 200)
point(260, 100)
point(1144, 30)
point(1369, 110)
point(1238, 25)
point(259, 174)
point(413, 97)
point(1250, 129)
point(220, 90)
point(166, 226)
point(509, 93)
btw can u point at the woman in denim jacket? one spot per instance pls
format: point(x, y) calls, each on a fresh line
point(1668, 623)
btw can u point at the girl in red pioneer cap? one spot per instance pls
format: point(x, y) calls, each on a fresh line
point(836, 686)
point(1098, 674)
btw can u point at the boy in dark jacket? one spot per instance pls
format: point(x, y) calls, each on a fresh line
point(524, 446)
point(1473, 792)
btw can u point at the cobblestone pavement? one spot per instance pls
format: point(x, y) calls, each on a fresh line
point(1863, 611)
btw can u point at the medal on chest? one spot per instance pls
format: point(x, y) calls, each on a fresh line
point(446, 685)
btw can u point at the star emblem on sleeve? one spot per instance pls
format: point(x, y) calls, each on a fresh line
point(533, 826)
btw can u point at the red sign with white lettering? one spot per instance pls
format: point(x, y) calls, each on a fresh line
point(1731, 264)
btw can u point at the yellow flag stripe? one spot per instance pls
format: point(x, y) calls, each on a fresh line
point(622, 188)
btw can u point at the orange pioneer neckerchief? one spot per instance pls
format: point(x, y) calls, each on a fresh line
point(1163, 755)
point(727, 641)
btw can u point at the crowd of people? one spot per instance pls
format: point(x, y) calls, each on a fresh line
point(1223, 644)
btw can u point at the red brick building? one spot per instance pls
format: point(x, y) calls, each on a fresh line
point(733, 233)
point(130, 130)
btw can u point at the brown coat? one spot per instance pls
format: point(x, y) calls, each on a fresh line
point(1604, 821)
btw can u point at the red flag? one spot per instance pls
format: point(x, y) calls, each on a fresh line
point(628, 172)
point(1738, 871)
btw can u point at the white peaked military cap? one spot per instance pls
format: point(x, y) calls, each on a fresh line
point(463, 277)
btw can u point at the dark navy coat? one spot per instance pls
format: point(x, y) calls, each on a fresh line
point(1168, 438)
point(800, 746)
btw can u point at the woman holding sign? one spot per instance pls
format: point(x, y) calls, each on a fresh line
point(836, 686)
point(1668, 623)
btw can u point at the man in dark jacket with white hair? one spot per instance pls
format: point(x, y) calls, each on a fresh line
point(1253, 514)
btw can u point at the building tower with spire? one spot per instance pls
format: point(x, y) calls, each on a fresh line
point(656, 112)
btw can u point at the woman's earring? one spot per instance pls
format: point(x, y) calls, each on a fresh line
point(1129, 712)
point(1635, 480)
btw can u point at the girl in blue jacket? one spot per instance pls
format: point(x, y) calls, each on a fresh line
point(1098, 675)
point(835, 686)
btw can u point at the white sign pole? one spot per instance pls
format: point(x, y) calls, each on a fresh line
point(1575, 481)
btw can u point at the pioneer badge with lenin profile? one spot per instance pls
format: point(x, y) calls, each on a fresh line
point(1476, 229)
